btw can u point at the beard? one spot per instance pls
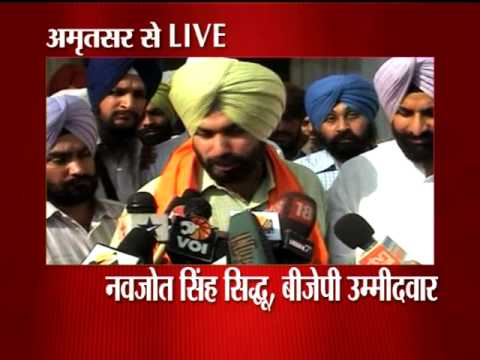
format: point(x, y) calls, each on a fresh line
point(347, 145)
point(231, 168)
point(114, 134)
point(73, 192)
point(156, 134)
point(418, 149)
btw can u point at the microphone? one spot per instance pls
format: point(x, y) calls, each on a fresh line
point(141, 228)
point(191, 202)
point(297, 213)
point(247, 243)
point(354, 231)
point(140, 242)
point(142, 213)
point(192, 240)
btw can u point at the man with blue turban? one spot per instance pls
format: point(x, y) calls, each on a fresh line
point(118, 90)
point(391, 187)
point(76, 220)
point(342, 110)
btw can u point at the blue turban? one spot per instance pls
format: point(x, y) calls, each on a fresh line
point(353, 90)
point(104, 73)
point(73, 114)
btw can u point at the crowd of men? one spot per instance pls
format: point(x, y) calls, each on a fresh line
point(236, 133)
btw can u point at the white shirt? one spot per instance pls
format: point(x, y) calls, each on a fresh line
point(323, 165)
point(392, 194)
point(68, 242)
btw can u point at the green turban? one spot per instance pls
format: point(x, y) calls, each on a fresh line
point(250, 95)
point(161, 101)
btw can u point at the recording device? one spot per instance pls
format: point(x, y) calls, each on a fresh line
point(297, 213)
point(354, 231)
point(192, 240)
point(247, 243)
point(142, 229)
point(142, 213)
point(190, 203)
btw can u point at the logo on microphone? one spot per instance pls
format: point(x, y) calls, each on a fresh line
point(302, 212)
point(193, 236)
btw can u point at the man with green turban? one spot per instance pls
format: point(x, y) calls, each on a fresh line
point(160, 118)
point(230, 108)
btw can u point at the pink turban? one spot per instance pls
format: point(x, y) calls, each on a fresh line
point(395, 76)
point(73, 114)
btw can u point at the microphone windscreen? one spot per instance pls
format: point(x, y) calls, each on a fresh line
point(354, 231)
point(198, 206)
point(141, 202)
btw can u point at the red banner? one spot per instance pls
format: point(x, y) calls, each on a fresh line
point(64, 312)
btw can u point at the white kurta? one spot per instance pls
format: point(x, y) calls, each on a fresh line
point(392, 194)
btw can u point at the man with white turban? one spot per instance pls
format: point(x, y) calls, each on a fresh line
point(230, 108)
point(76, 221)
point(342, 110)
point(391, 187)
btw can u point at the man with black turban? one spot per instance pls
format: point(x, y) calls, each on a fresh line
point(342, 110)
point(230, 108)
point(391, 186)
point(118, 90)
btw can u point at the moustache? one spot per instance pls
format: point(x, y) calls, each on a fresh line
point(153, 136)
point(132, 115)
point(425, 137)
point(81, 180)
point(225, 160)
point(344, 135)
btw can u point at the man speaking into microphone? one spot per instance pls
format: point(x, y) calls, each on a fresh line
point(229, 108)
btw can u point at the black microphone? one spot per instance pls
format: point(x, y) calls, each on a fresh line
point(297, 213)
point(142, 212)
point(354, 231)
point(247, 243)
point(139, 242)
point(178, 203)
point(140, 223)
point(192, 240)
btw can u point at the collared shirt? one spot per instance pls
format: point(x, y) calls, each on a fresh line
point(392, 194)
point(123, 167)
point(323, 165)
point(68, 242)
point(223, 201)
